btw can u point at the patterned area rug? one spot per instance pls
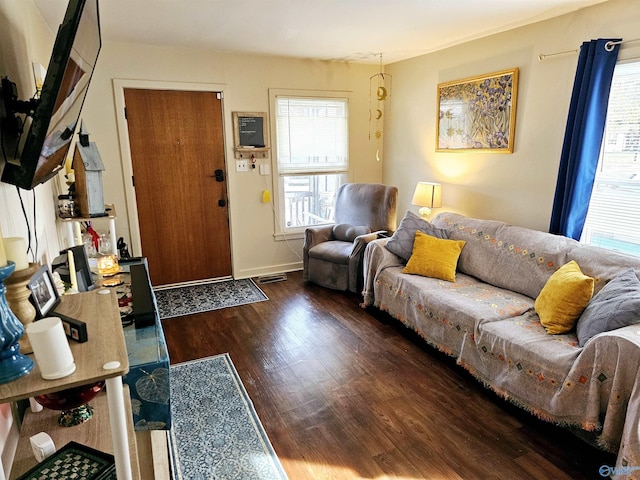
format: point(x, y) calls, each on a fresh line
point(179, 301)
point(216, 432)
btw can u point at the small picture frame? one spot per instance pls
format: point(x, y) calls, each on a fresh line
point(44, 295)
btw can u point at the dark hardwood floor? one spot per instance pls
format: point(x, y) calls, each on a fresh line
point(348, 393)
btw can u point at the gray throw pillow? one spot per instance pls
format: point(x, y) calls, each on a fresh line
point(401, 242)
point(348, 233)
point(616, 305)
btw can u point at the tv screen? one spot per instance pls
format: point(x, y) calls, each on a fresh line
point(35, 147)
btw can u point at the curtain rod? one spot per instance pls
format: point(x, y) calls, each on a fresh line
point(608, 46)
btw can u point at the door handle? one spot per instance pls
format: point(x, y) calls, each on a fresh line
point(219, 175)
point(222, 202)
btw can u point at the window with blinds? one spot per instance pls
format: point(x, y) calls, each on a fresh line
point(312, 151)
point(613, 219)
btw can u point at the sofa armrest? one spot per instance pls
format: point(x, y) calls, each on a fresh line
point(376, 259)
point(615, 402)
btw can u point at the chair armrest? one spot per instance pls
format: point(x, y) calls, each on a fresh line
point(356, 259)
point(317, 234)
point(361, 241)
point(312, 237)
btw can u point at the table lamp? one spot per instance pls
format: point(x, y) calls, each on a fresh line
point(427, 195)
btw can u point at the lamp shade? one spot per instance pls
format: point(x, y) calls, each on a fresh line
point(428, 195)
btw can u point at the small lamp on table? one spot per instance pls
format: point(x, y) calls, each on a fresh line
point(427, 195)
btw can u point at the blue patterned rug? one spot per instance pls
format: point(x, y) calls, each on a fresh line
point(204, 297)
point(216, 431)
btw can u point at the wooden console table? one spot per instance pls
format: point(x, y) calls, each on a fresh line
point(106, 345)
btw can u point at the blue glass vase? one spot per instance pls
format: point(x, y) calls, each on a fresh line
point(13, 364)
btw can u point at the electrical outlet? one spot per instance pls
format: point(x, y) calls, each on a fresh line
point(264, 169)
point(242, 166)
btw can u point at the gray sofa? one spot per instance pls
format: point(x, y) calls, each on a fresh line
point(486, 319)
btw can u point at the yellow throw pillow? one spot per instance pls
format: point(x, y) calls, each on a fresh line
point(563, 298)
point(434, 257)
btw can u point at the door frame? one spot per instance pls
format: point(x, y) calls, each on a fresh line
point(119, 86)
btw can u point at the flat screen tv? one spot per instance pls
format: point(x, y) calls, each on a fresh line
point(36, 134)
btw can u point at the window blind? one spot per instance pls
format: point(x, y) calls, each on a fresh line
point(312, 135)
point(612, 219)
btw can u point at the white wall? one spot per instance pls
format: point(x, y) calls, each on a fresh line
point(519, 187)
point(24, 38)
point(246, 81)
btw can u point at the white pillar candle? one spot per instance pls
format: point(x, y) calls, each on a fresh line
point(16, 250)
point(51, 348)
point(77, 233)
point(72, 271)
point(3, 255)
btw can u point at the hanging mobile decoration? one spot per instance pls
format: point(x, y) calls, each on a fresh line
point(379, 96)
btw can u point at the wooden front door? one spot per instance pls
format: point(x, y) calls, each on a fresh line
point(177, 154)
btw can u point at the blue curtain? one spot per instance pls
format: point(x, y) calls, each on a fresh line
point(583, 136)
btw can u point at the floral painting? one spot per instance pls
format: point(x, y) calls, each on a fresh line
point(478, 113)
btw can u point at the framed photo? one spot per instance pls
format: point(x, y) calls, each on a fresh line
point(44, 295)
point(478, 113)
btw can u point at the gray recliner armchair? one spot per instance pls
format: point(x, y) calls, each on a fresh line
point(333, 254)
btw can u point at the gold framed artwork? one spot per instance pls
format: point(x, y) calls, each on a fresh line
point(478, 113)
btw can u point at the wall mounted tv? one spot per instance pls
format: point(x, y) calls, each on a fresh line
point(36, 134)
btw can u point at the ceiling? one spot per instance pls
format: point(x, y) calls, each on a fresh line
point(347, 30)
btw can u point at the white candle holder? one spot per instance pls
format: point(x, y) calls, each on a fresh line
point(18, 297)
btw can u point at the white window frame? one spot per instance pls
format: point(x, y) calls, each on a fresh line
point(282, 232)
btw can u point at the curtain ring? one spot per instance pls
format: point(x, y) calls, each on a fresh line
point(609, 46)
